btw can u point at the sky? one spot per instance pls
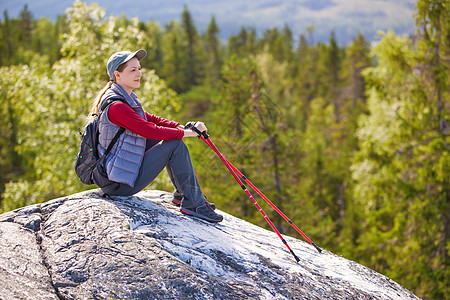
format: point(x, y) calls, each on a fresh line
point(345, 17)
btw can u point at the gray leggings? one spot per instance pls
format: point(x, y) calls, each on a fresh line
point(174, 156)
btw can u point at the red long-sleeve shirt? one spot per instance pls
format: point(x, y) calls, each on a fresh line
point(155, 127)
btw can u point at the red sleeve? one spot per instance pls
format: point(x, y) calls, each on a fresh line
point(161, 121)
point(121, 114)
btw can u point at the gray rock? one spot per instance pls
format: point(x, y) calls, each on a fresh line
point(141, 247)
point(22, 270)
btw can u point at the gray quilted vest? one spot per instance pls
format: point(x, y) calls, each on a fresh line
point(125, 158)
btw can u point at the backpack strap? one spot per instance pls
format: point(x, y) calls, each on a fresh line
point(110, 101)
point(114, 140)
point(104, 105)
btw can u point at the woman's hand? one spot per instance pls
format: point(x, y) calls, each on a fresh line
point(191, 133)
point(201, 126)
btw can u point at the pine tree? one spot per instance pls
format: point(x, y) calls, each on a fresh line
point(306, 80)
point(243, 44)
point(278, 43)
point(174, 69)
point(26, 20)
point(194, 68)
point(7, 39)
point(214, 54)
point(333, 62)
point(359, 55)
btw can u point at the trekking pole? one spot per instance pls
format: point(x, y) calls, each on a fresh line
point(205, 137)
point(273, 205)
point(224, 160)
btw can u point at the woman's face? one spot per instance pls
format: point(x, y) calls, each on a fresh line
point(130, 77)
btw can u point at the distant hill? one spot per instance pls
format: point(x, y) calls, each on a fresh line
point(344, 17)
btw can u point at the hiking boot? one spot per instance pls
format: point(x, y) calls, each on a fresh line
point(203, 212)
point(177, 201)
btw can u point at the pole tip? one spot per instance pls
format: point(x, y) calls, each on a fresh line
point(318, 249)
point(295, 256)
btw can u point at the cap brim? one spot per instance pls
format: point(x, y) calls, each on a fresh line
point(140, 54)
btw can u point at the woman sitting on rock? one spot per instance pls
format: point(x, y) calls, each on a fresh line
point(148, 144)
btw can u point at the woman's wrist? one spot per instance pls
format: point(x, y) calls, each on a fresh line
point(189, 133)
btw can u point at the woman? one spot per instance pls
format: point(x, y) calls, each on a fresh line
point(148, 144)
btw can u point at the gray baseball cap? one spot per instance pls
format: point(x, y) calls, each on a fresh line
point(121, 57)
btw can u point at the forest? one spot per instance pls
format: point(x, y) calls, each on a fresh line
point(350, 142)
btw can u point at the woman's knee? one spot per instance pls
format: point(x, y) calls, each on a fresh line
point(178, 145)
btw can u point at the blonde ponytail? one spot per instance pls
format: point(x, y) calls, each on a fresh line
point(98, 98)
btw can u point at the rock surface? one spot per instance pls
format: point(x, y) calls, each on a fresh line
point(87, 247)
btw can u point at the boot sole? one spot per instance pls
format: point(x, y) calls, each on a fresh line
point(178, 203)
point(193, 214)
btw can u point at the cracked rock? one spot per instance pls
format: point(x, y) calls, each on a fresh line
point(22, 271)
point(141, 247)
